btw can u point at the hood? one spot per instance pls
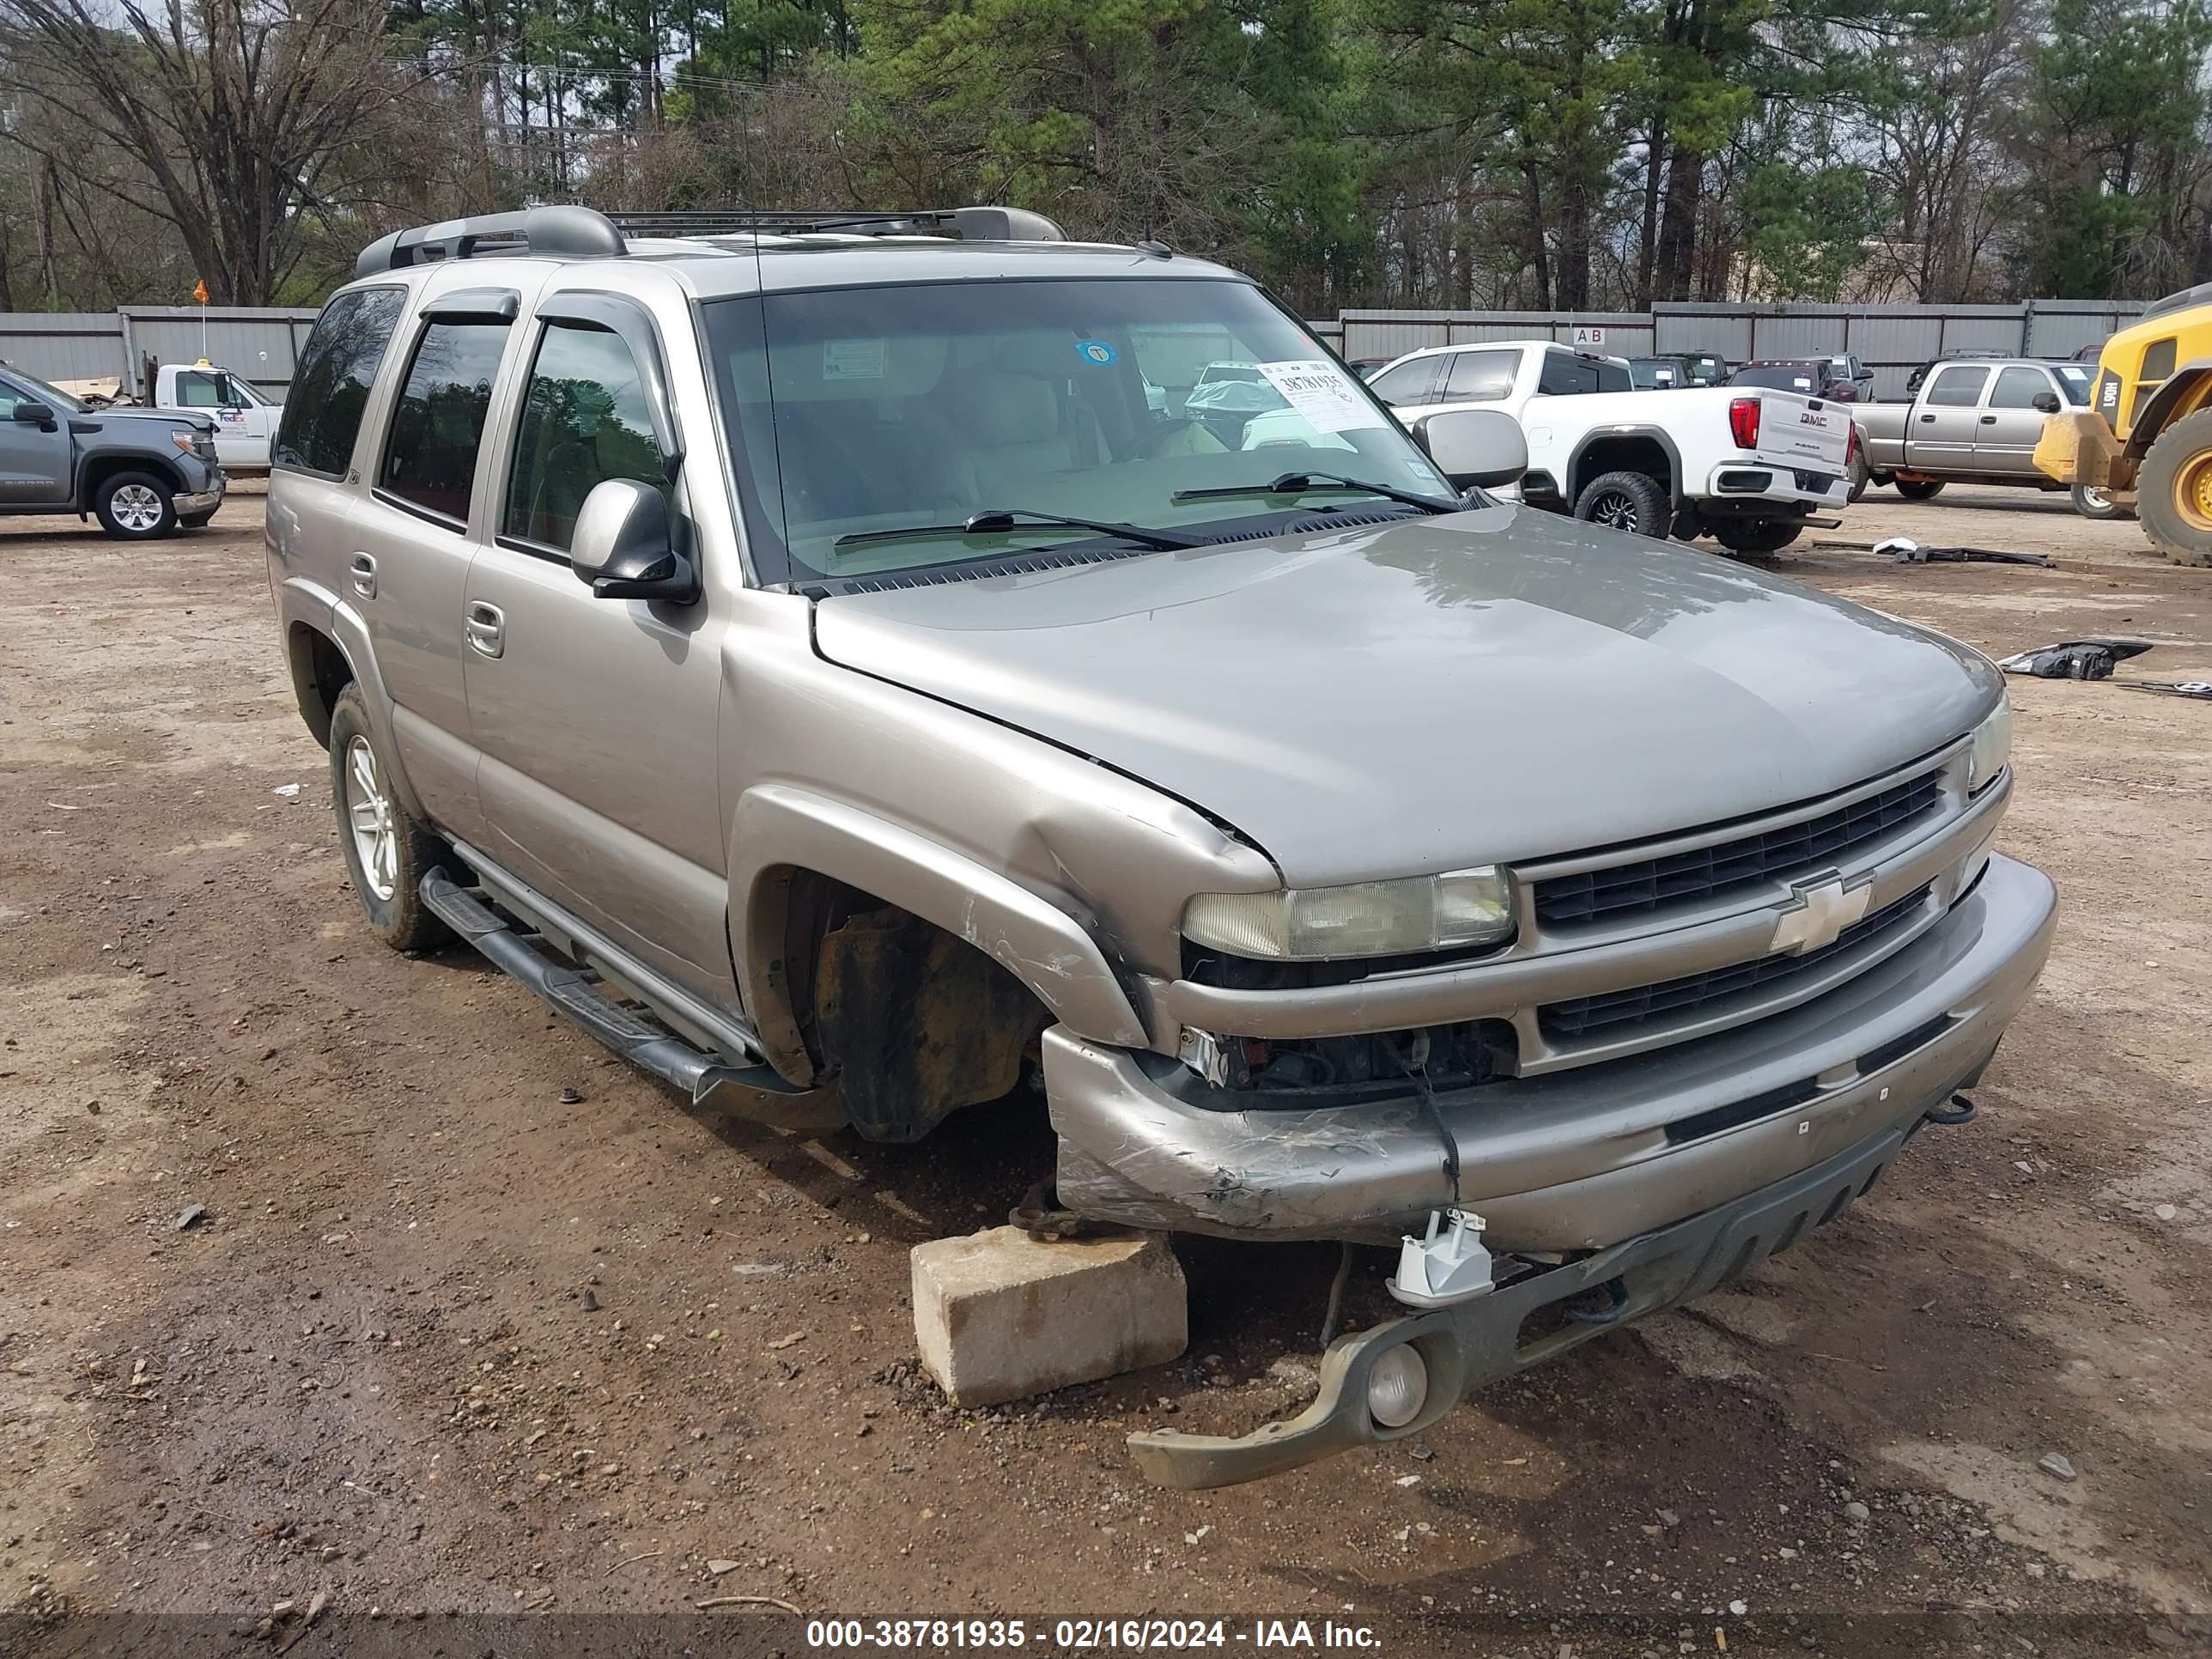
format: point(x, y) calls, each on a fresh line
point(1433, 693)
point(143, 416)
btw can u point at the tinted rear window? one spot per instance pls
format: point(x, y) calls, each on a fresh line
point(330, 387)
point(430, 457)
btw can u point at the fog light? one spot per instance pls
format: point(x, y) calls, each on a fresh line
point(1398, 1387)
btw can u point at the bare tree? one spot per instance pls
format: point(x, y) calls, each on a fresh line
point(235, 112)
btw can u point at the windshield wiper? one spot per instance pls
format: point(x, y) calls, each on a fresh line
point(997, 520)
point(1303, 483)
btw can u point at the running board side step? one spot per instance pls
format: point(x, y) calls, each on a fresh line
point(756, 1093)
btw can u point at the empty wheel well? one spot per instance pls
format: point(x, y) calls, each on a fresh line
point(319, 672)
point(911, 1021)
point(1629, 452)
point(100, 468)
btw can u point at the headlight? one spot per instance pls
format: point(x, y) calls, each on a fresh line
point(1992, 747)
point(1368, 919)
point(183, 441)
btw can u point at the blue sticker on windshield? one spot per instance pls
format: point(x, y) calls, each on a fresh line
point(1096, 351)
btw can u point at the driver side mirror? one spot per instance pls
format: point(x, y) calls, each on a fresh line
point(30, 413)
point(2047, 402)
point(1474, 448)
point(624, 545)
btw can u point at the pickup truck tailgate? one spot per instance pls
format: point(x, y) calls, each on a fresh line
point(1803, 432)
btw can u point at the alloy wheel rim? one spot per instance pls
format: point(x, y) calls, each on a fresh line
point(369, 817)
point(136, 506)
point(1616, 512)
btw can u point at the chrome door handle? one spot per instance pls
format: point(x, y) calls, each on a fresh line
point(487, 629)
point(362, 571)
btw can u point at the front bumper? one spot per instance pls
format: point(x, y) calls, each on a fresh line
point(200, 501)
point(1576, 1159)
point(1474, 1343)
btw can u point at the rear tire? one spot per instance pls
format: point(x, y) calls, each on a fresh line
point(1919, 489)
point(135, 506)
point(1756, 536)
point(2092, 503)
point(1861, 478)
point(1634, 502)
point(386, 852)
point(2173, 491)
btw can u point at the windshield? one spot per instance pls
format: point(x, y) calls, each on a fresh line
point(867, 411)
point(43, 392)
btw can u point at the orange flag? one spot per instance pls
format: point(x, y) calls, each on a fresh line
point(199, 290)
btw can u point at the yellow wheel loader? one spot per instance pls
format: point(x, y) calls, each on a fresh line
point(2144, 445)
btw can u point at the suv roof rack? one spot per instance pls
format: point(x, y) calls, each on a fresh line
point(582, 233)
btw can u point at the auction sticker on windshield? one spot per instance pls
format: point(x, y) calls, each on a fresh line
point(1320, 394)
point(854, 359)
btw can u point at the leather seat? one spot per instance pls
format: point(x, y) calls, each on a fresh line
point(1010, 429)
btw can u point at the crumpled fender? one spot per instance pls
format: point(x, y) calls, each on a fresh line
point(776, 828)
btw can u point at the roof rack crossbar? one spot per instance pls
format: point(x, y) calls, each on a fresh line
point(582, 233)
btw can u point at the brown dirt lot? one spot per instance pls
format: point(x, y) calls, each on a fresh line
point(368, 1371)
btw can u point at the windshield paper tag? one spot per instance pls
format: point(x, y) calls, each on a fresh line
point(1318, 391)
point(854, 359)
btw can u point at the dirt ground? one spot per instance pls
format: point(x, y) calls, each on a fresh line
point(370, 1370)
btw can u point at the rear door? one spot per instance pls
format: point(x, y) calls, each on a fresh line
point(2010, 423)
point(1945, 424)
point(417, 531)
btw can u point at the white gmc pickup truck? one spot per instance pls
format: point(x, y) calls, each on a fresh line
point(1747, 465)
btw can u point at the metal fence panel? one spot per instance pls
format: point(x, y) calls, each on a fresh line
point(1690, 328)
point(63, 345)
point(262, 345)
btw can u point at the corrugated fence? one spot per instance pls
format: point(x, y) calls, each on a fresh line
point(264, 344)
point(1892, 340)
point(261, 344)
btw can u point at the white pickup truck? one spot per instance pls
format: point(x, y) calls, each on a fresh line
point(1749, 466)
point(244, 421)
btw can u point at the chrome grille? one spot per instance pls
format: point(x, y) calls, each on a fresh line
point(1616, 1013)
point(1650, 884)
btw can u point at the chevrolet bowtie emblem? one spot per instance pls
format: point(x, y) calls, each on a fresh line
point(1819, 914)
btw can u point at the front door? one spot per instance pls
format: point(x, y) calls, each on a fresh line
point(35, 456)
point(243, 423)
point(597, 720)
point(1941, 430)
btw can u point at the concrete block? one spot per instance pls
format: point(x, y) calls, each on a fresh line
point(1000, 1315)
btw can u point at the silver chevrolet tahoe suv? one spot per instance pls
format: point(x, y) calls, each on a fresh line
point(825, 658)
